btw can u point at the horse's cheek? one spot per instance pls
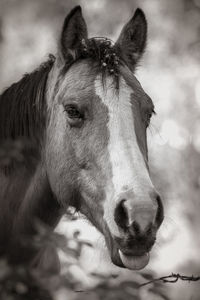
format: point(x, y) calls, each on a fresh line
point(59, 166)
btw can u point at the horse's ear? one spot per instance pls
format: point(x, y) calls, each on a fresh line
point(73, 32)
point(132, 40)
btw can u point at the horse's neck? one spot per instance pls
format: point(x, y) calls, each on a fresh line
point(12, 191)
point(38, 207)
point(38, 204)
point(25, 198)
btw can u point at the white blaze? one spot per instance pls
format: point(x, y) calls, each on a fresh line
point(128, 165)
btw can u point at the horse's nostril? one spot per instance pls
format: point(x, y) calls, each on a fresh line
point(137, 219)
point(141, 218)
point(136, 227)
point(121, 216)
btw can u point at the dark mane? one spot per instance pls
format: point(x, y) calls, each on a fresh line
point(22, 105)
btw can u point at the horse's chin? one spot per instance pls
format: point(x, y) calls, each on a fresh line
point(134, 262)
point(122, 260)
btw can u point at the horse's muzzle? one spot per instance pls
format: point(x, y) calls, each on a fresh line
point(137, 236)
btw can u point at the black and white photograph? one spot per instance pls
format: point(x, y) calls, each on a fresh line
point(99, 150)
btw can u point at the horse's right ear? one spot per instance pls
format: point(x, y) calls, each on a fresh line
point(73, 32)
point(132, 40)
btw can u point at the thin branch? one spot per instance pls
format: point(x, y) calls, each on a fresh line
point(172, 279)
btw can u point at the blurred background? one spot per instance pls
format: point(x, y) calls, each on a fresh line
point(170, 74)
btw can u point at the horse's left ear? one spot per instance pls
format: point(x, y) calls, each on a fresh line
point(132, 40)
point(73, 32)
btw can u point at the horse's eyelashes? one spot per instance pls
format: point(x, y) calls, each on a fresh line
point(148, 117)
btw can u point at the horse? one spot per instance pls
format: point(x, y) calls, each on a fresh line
point(84, 115)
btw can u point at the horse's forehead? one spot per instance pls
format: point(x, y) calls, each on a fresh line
point(128, 93)
point(110, 96)
point(80, 78)
point(83, 82)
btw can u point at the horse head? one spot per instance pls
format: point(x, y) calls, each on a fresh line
point(96, 145)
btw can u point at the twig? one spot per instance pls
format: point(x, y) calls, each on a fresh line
point(172, 279)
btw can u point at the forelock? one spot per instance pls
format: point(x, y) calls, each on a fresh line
point(101, 54)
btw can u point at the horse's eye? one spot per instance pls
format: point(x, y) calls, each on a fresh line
point(73, 112)
point(75, 116)
point(148, 117)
